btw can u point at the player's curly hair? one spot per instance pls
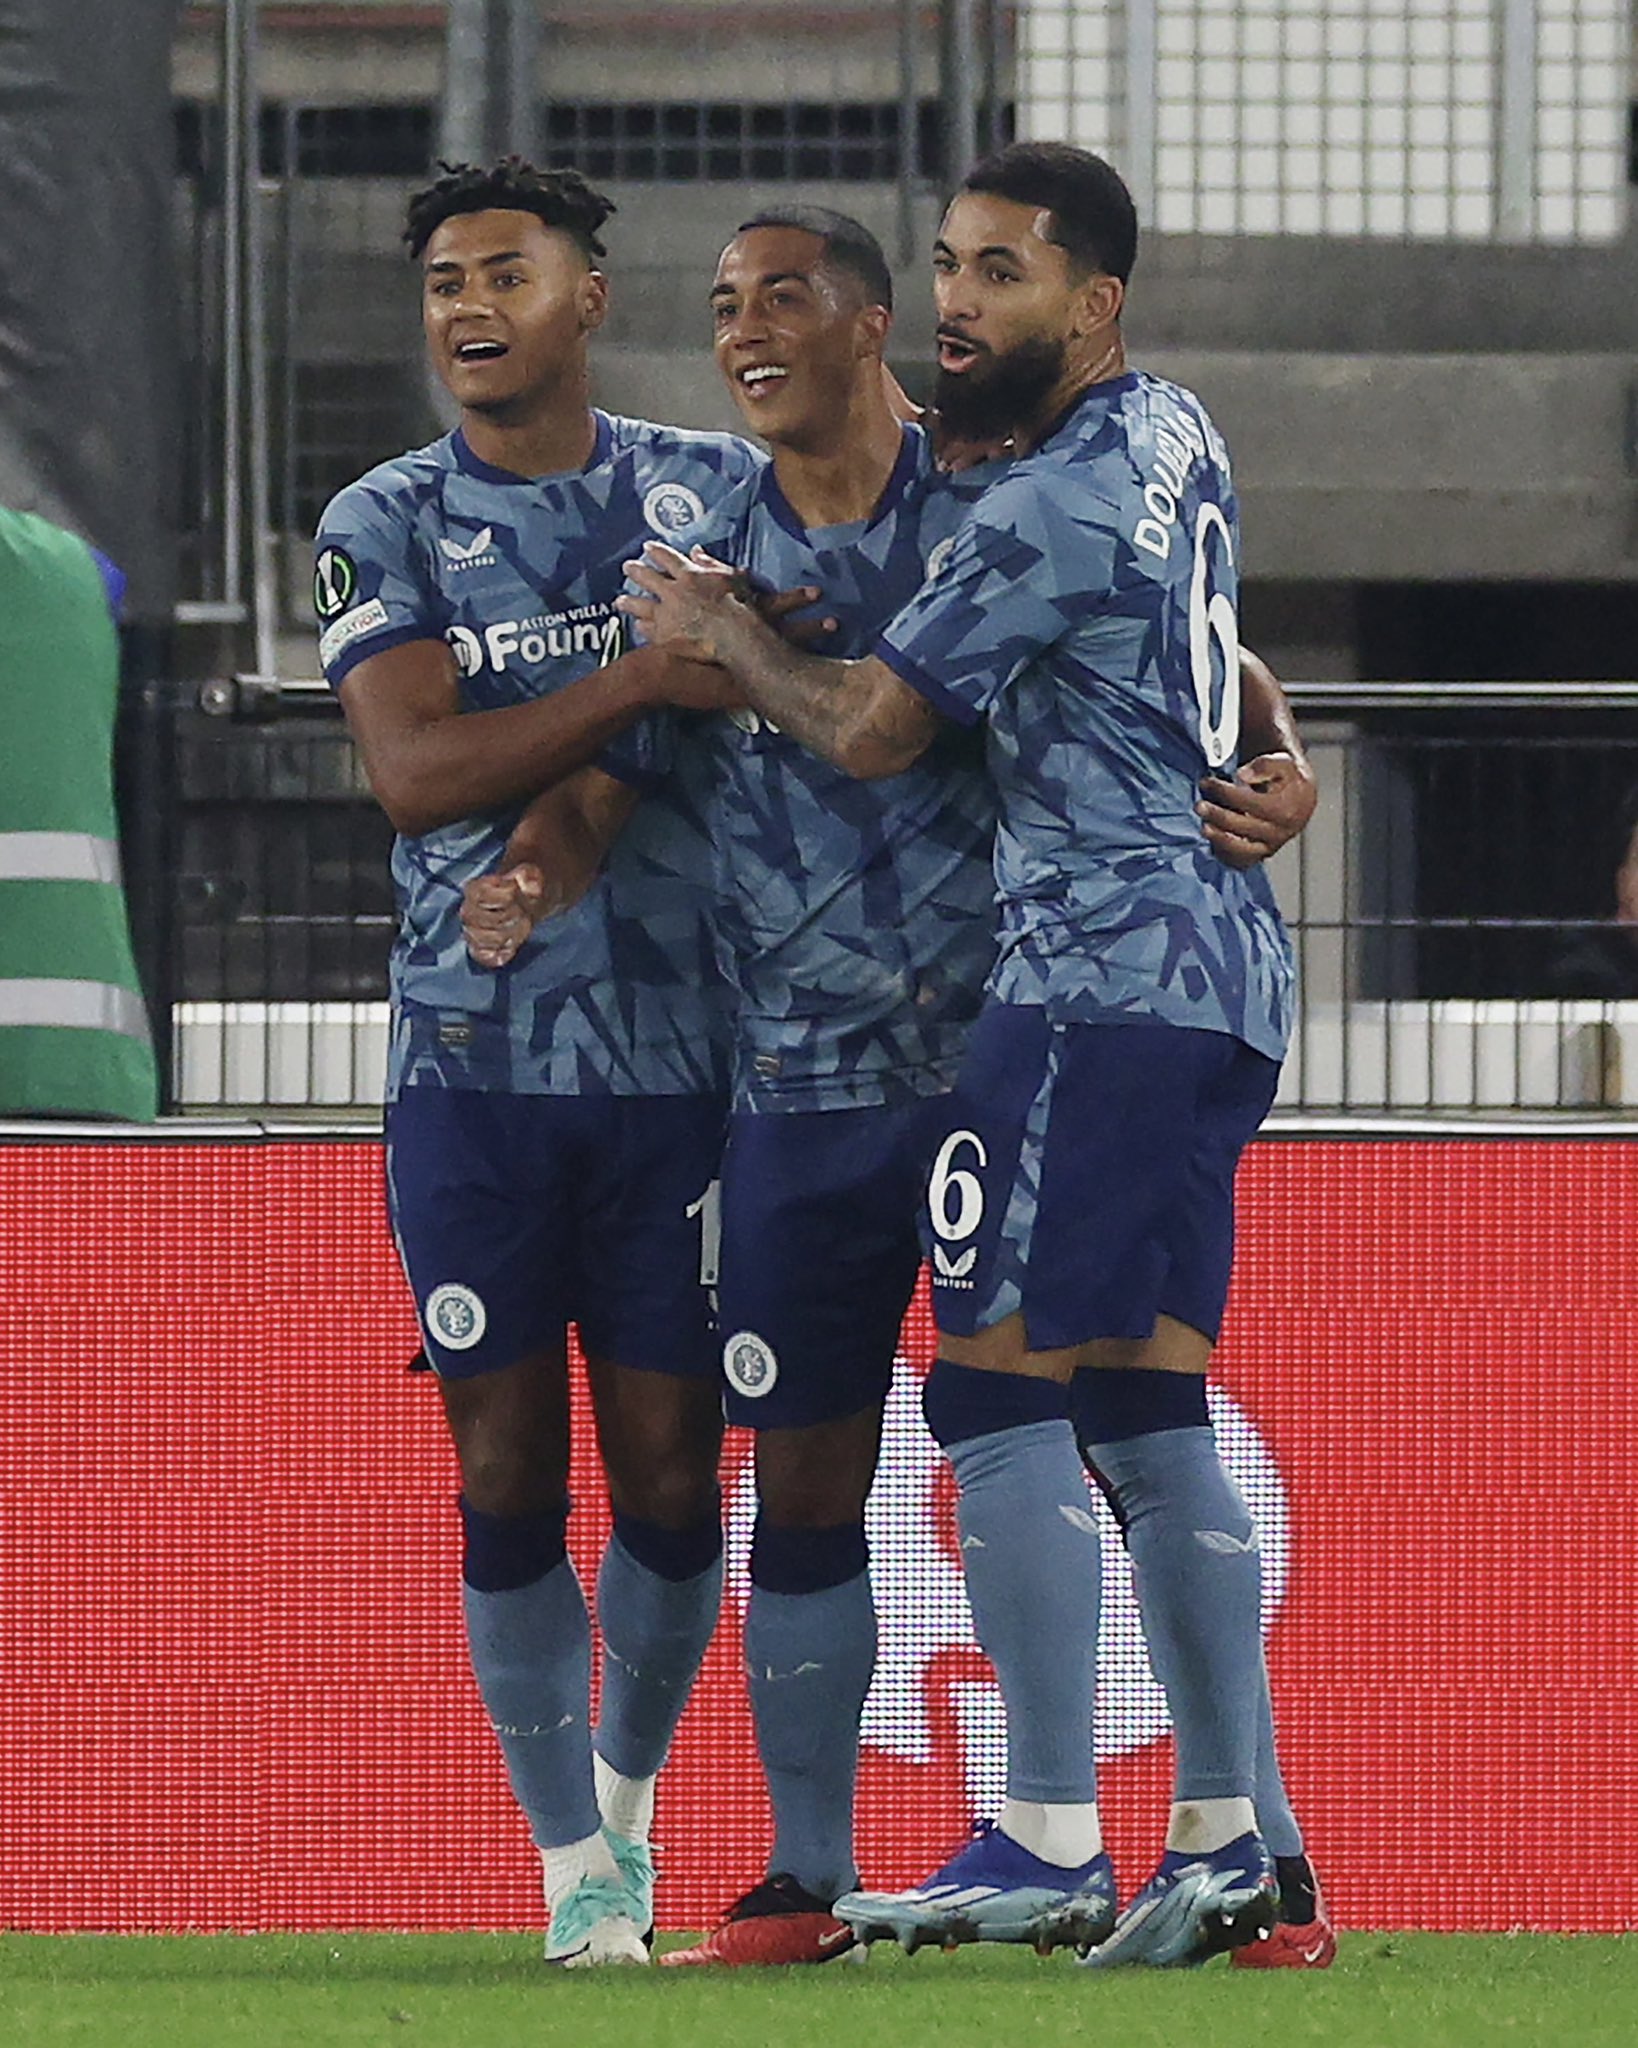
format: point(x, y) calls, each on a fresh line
point(561, 198)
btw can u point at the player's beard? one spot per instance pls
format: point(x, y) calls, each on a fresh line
point(1002, 394)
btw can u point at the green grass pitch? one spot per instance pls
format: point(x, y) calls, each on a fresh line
point(491, 1991)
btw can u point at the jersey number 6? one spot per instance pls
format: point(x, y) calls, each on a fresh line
point(1212, 619)
point(949, 1179)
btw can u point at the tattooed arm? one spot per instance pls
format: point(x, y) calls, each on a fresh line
point(857, 714)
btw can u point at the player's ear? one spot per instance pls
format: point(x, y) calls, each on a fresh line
point(1100, 300)
point(593, 301)
point(871, 327)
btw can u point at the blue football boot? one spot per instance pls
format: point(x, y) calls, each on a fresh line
point(1196, 1907)
point(992, 1890)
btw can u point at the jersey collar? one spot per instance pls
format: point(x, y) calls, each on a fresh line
point(474, 465)
point(1111, 387)
point(912, 440)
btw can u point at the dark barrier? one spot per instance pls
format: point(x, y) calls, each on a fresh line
point(1442, 949)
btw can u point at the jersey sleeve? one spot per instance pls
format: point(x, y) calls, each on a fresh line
point(370, 588)
point(645, 753)
point(1029, 564)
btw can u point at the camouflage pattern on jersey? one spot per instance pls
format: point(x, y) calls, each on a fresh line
point(621, 994)
point(856, 918)
point(1086, 613)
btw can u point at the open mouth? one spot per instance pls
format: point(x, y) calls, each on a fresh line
point(956, 354)
point(761, 379)
point(479, 351)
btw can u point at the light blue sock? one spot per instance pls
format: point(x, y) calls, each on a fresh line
point(810, 1654)
point(531, 1655)
point(1194, 1551)
point(655, 1630)
point(1029, 1547)
point(1276, 1818)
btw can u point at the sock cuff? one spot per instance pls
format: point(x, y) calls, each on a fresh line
point(673, 1554)
point(807, 1560)
point(500, 1553)
point(1111, 1403)
point(959, 1401)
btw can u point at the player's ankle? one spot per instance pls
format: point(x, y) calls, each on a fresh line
point(626, 1804)
point(567, 1864)
point(1200, 1826)
point(1299, 1890)
point(1069, 1835)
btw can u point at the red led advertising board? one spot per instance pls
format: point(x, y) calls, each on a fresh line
point(231, 1669)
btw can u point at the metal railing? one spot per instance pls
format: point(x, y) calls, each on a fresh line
point(1467, 120)
point(302, 343)
point(1451, 904)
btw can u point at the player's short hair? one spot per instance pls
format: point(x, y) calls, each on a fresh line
point(849, 245)
point(562, 199)
point(1093, 218)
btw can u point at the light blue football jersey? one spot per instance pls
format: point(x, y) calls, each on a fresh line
point(1087, 613)
point(621, 994)
point(856, 919)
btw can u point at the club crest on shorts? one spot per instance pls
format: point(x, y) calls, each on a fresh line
point(456, 1317)
point(750, 1365)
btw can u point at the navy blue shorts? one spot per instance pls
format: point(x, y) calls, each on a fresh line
point(1085, 1176)
point(820, 1253)
point(517, 1215)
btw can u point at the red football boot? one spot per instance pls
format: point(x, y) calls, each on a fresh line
point(776, 1923)
point(1294, 1944)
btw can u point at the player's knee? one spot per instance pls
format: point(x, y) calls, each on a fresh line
point(666, 1476)
point(672, 1497)
point(818, 1477)
point(1148, 1439)
point(510, 1432)
point(813, 1499)
point(960, 1402)
point(1109, 1404)
point(504, 1480)
point(501, 1552)
point(806, 1560)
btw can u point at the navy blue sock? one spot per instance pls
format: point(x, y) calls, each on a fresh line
point(658, 1593)
point(499, 1553)
point(810, 1653)
point(1109, 1403)
point(530, 1644)
point(1029, 1548)
point(1299, 1891)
